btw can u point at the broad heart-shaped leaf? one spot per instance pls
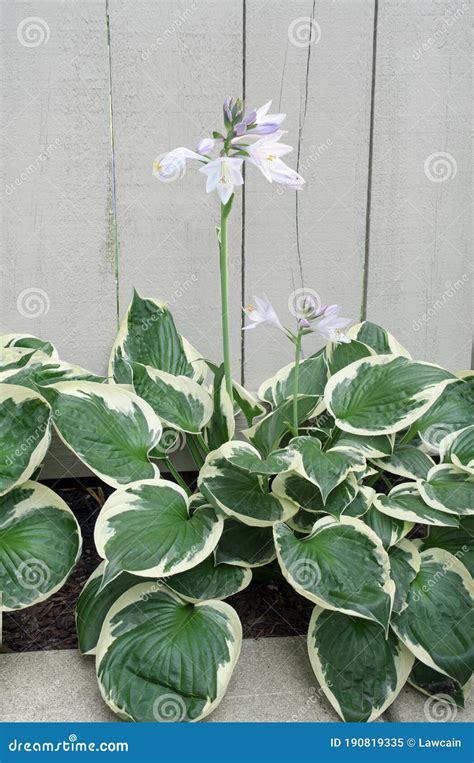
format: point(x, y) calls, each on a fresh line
point(406, 461)
point(236, 491)
point(389, 530)
point(209, 580)
point(245, 546)
point(438, 621)
point(459, 541)
point(326, 469)
point(378, 338)
point(93, 605)
point(313, 375)
point(342, 566)
point(148, 335)
point(145, 528)
point(268, 433)
point(308, 496)
point(453, 410)
point(162, 659)
point(359, 669)
point(40, 542)
point(405, 502)
point(448, 489)
point(405, 563)
point(341, 355)
point(440, 686)
point(361, 503)
point(42, 370)
point(109, 428)
point(28, 341)
point(372, 446)
point(25, 434)
point(458, 447)
point(221, 426)
point(383, 394)
point(179, 402)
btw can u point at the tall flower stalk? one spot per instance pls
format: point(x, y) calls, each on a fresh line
point(224, 275)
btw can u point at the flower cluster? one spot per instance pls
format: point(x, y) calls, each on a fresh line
point(238, 142)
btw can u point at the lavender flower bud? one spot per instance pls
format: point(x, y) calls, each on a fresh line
point(205, 146)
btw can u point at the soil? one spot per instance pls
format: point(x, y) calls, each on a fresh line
point(267, 607)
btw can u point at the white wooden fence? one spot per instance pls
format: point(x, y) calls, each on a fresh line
point(378, 102)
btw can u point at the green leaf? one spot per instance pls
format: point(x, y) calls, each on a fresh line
point(405, 502)
point(148, 335)
point(25, 434)
point(457, 540)
point(27, 341)
point(445, 690)
point(439, 616)
point(326, 469)
point(40, 371)
point(373, 446)
point(109, 428)
point(179, 402)
point(209, 580)
point(221, 427)
point(341, 355)
point(383, 394)
point(313, 376)
point(458, 447)
point(448, 489)
point(359, 669)
point(161, 659)
point(361, 503)
point(245, 546)
point(341, 566)
point(267, 434)
point(40, 542)
point(389, 530)
point(228, 485)
point(378, 338)
point(405, 563)
point(247, 403)
point(453, 410)
point(308, 496)
point(146, 529)
point(406, 461)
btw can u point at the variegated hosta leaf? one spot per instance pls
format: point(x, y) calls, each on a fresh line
point(42, 370)
point(109, 428)
point(279, 461)
point(342, 566)
point(308, 496)
point(209, 580)
point(405, 563)
point(440, 686)
point(162, 659)
point(389, 530)
point(359, 669)
point(437, 623)
point(448, 489)
point(372, 446)
point(302, 522)
point(312, 379)
point(405, 502)
point(341, 355)
point(221, 426)
point(146, 529)
point(14, 358)
point(94, 603)
point(378, 338)
point(453, 411)
point(237, 492)
point(406, 461)
point(40, 542)
point(459, 541)
point(29, 342)
point(326, 469)
point(383, 394)
point(247, 403)
point(458, 447)
point(179, 401)
point(268, 433)
point(245, 546)
point(361, 503)
point(25, 434)
point(148, 335)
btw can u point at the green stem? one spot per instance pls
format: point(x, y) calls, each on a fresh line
point(296, 382)
point(202, 444)
point(195, 452)
point(224, 272)
point(174, 472)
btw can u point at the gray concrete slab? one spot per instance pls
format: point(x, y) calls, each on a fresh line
point(415, 707)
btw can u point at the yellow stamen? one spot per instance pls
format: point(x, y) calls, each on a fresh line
point(250, 308)
point(271, 157)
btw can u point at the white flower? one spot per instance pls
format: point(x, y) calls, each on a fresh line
point(266, 153)
point(331, 325)
point(223, 174)
point(262, 313)
point(172, 165)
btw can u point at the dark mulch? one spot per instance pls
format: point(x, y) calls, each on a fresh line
point(268, 607)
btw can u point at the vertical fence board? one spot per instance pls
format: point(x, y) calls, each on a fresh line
point(57, 265)
point(419, 282)
point(316, 239)
point(173, 63)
